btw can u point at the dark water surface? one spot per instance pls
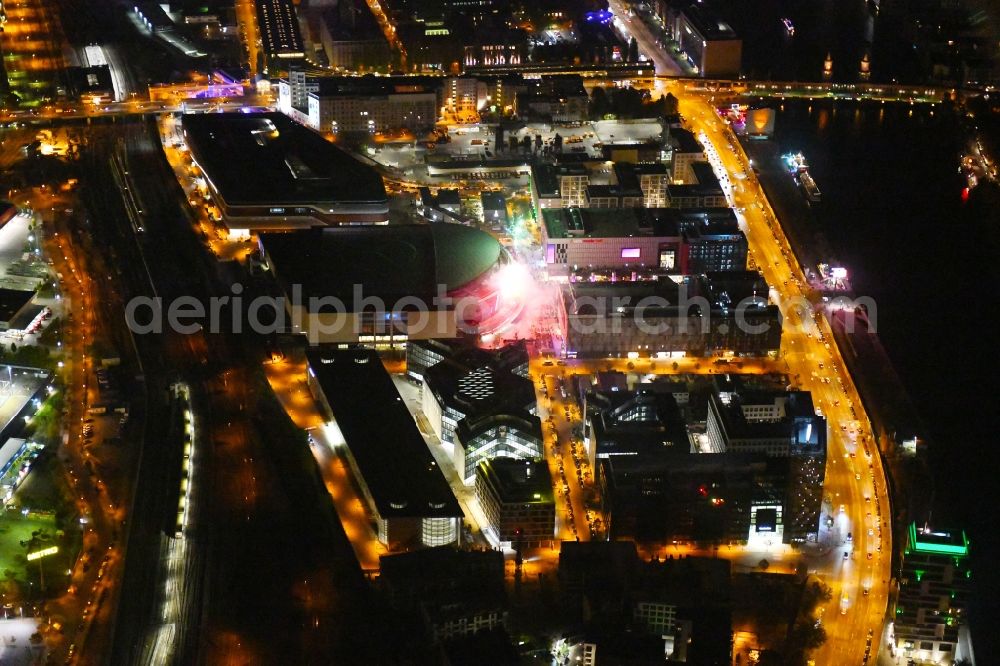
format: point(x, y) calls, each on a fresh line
point(894, 214)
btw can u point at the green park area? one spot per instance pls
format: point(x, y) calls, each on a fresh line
point(35, 522)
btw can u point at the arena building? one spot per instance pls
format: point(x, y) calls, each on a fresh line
point(384, 285)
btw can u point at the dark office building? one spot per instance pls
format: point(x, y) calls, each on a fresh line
point(776, 424)
point(455, 593)
point(660, 318)
point(629, 423)
point(481, 403)
point(703, 498)
point(422, 354)
point(713, 240)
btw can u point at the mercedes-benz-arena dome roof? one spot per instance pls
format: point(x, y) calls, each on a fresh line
point(462, 254)
point(394, 262)
point(476, 269)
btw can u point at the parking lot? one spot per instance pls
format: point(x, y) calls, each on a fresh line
point(22, 268)
point(469, 157)
point(13, 239)
point(465, 141)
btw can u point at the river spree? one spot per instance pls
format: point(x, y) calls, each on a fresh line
point(894, 214)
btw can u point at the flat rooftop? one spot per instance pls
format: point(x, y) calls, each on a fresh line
point(279, 28)
point(705, 175)
point(688, 218)
point(264, 159)
point(449, 197)
point(938, 541)
point(12, 301)
point(609, 222)
point(686, 143)
point(493, 200)
point(481, 382)
point(520, 481)
point(708, 23)
point(374, 86)
point(546, 176)
point(627, 174)
point(724, 290)
point(731, 287)
point(589, 222)
point(636, 422)
point(359, 25)
point(18, 385)
point(799, 423)
point(441, 565)
point(712, 229)
point(392, 456)
point(676, 468)
point(25, 316)
point(389, 261)
point(560, 86)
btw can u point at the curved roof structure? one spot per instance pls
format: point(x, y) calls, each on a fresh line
point(463, 253)
point(390, 262)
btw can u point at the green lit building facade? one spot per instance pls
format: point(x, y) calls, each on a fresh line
point(933, 595)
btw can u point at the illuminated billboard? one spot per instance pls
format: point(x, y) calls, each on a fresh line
point(45, 552)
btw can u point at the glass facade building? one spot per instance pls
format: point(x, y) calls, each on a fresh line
point(509, 435)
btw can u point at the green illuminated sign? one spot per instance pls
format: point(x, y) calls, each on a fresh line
point(937, 548)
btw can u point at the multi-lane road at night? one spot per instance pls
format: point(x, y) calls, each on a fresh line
point(855, 480)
